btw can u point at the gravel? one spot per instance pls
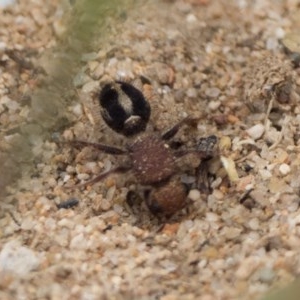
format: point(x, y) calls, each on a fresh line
point(222, 62)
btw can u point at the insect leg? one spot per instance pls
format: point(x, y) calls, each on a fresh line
point(120, 169)
point(102, 147)
point(172, 131)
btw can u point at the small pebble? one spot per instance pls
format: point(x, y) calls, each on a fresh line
point(225, 143)
point(90, 86)
point(110, 193)
point(191, 18)
point(280, 33)
point(89, 56)
point(266, 275)
point(66, 177)
point(272, 43)
point(77, 110)
point(265, 174)
point(194, 195)
point(254, 224)
point(79, 242)
point(80, 79)
point(256, 131)
point(212, 92)
point(98, 72)
point(83, 176)
point(214, 105)
point(3, 46)
point(18, 259)
point(6, 3)
point(105, 204)
point(191, 93)
point(212, 217)
point(218, 194)
point(187, 179)
point(118, 209)
point(284, 169)
point(247, 267)
point(65, 222)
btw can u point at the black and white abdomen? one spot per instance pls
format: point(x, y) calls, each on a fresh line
point(124, 108)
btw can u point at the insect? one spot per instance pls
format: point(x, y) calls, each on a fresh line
point(151, 157)
point(68, 203)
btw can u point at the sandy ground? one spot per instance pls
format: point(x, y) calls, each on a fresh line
point(231, 64)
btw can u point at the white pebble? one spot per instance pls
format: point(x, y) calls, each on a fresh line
point(77, 110)
point(70, 169)
point(92, 166)
point(279, 32)
point(254, 224)
point(247, 267)
point(272, 43)
point(194, 195)
point(3, 46)
point(110, 193)
point(78, 242)
point(211, 217)
point(83, 176)
point(105, 204)
point(66, 178)
point(9, 103)
point(192, 93)
point(266, 275)
point(80, 79)
point(118, 209)
point(191, 18)
point(89, 56)
point(18, 259)
point(90, 87)
point(65, 222)
point(6, 3)
point(284, 169)
point(265, 174)
point(256, 131)
point(28, 224)
point(98, 72)
point(213, 92)
point(218, 194)
point(214, 105)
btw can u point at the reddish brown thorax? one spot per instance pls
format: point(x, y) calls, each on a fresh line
point(152, 159)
